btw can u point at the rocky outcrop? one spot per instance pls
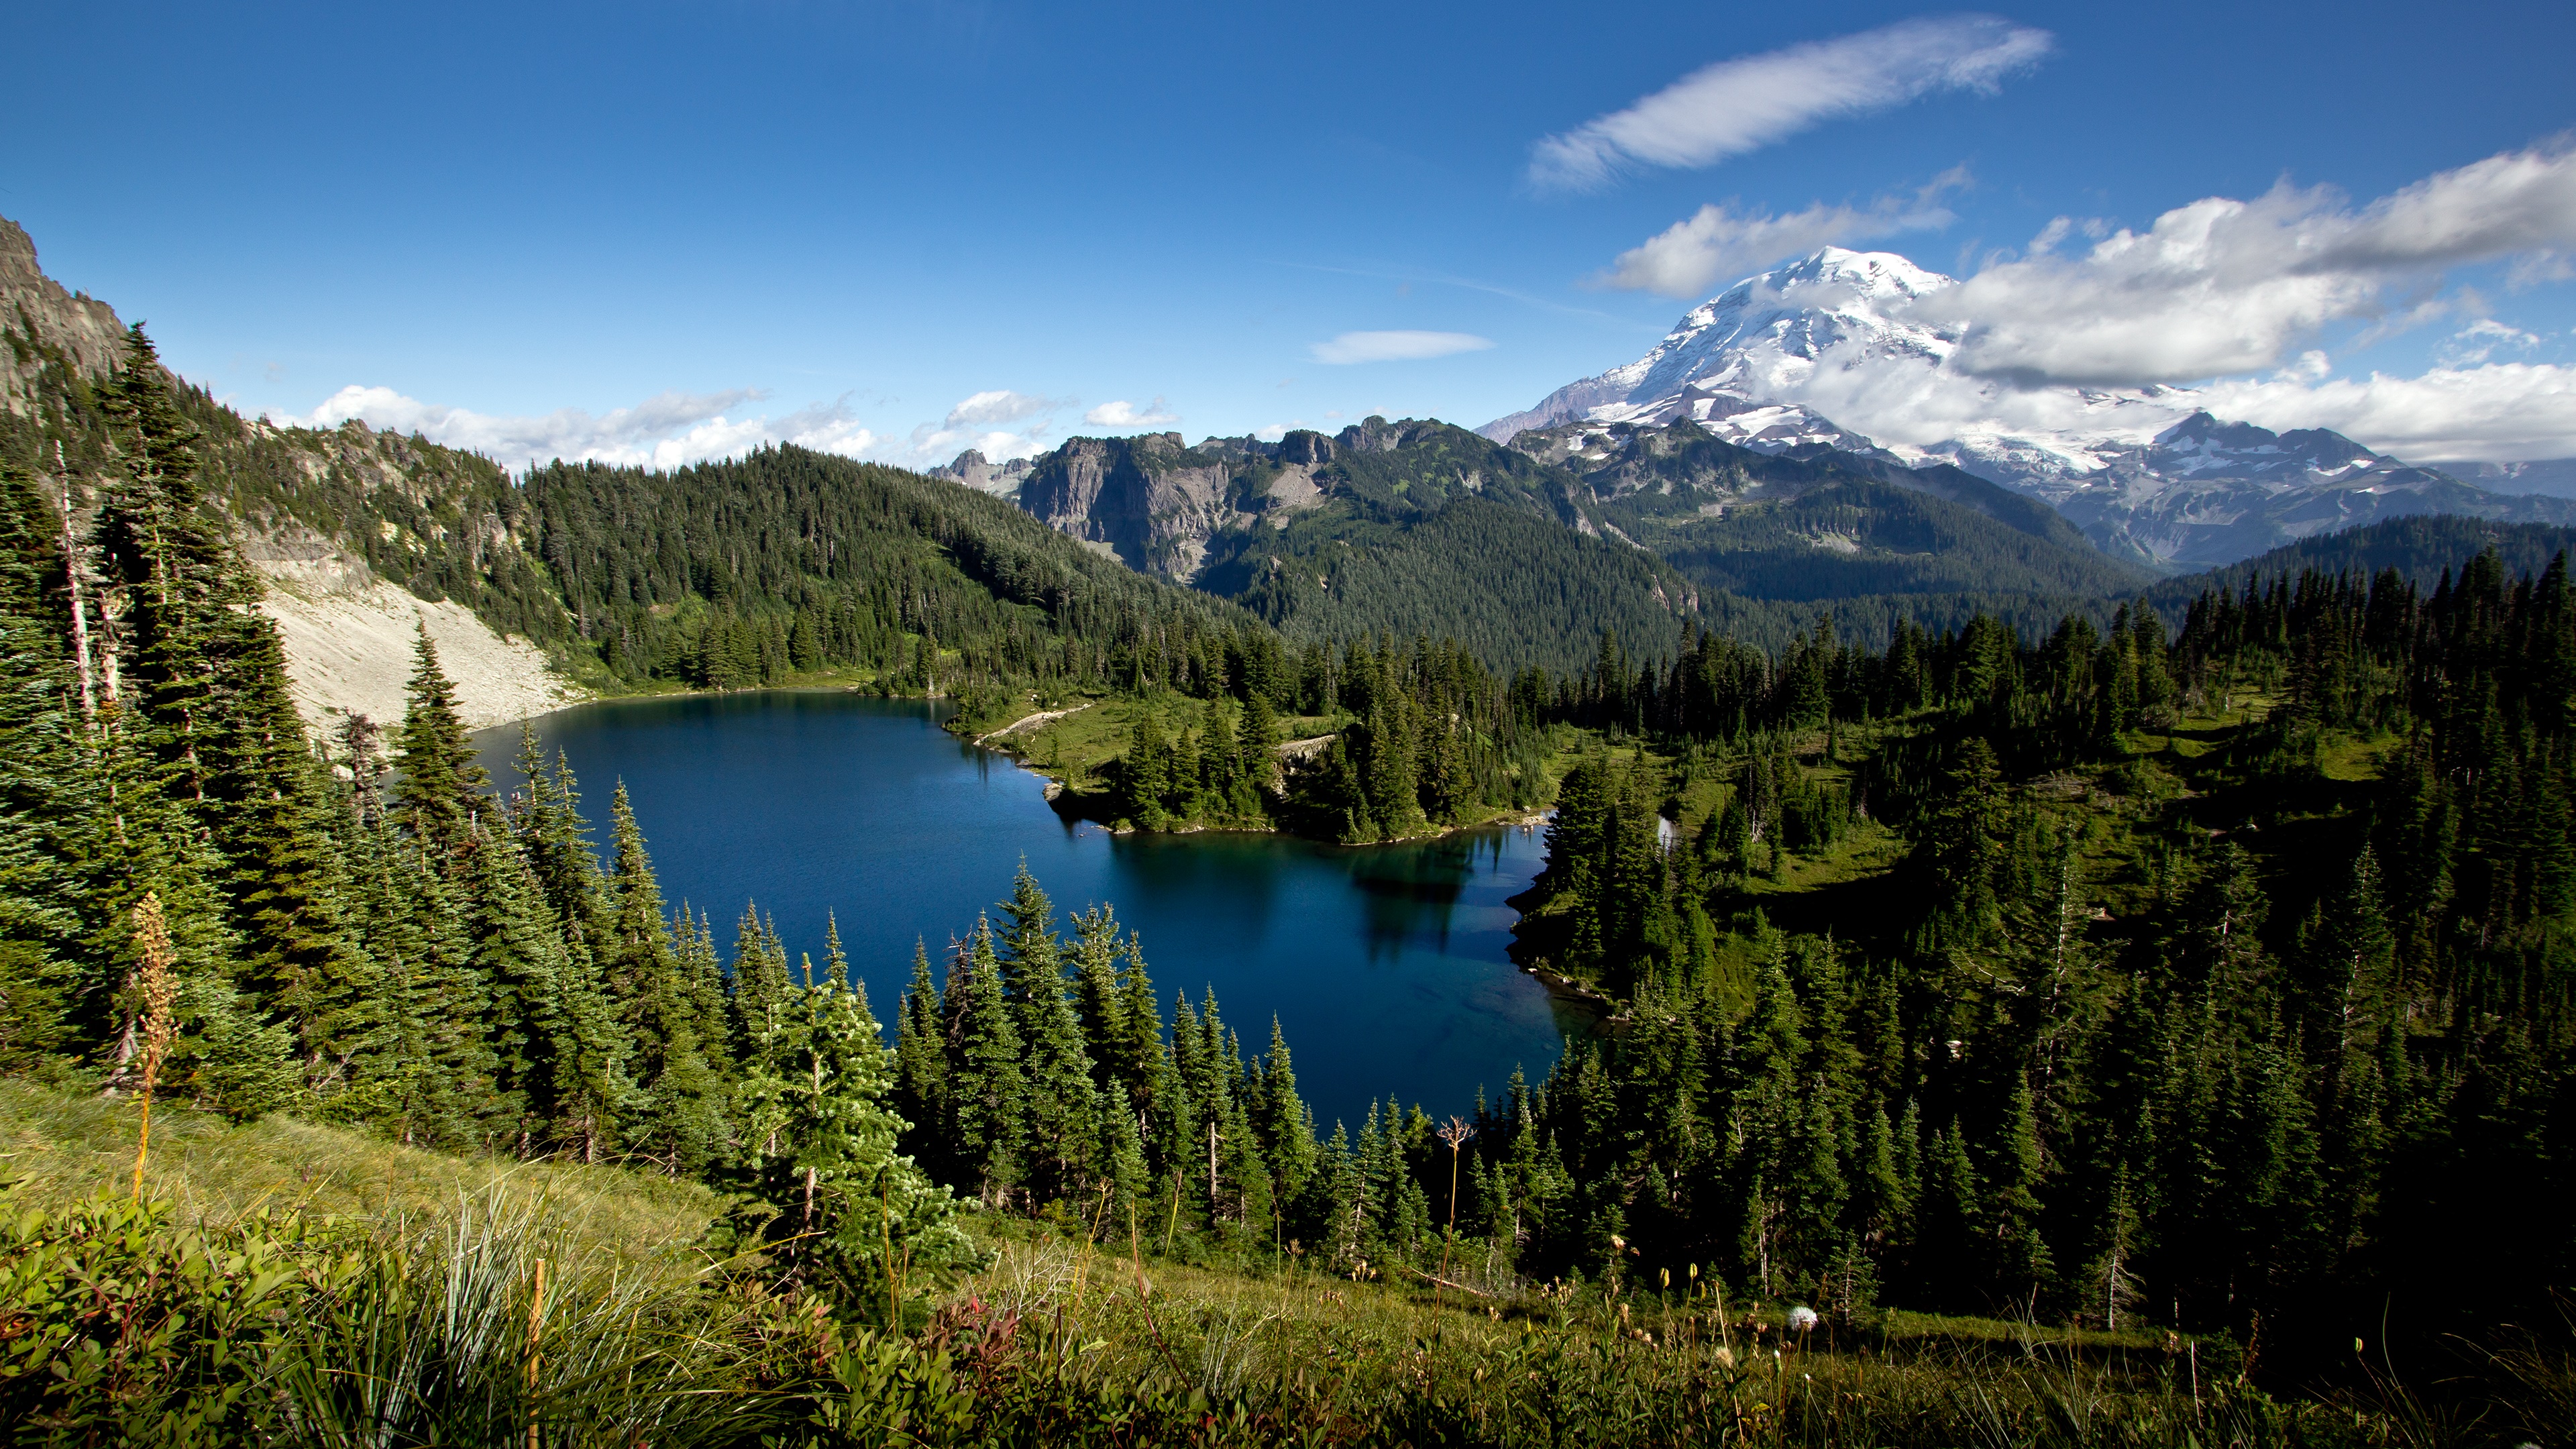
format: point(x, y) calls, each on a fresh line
point(971, 470)
point(349, 637)
point(347, 629)
point(1152, 500)
point(82, 328)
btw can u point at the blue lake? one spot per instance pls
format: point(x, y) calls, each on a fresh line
point(1385, 965)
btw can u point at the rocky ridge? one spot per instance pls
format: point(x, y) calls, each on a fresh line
point(387, 505)
point(2145, 472)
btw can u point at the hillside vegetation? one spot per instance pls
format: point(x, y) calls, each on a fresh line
point(2217, 978)
point(346, 1285)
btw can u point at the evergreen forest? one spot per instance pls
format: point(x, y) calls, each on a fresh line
point(2213, 974)
point(2148, 1031)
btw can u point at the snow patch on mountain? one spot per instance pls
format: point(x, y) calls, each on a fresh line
point(1775, 360)
point(1833, 353)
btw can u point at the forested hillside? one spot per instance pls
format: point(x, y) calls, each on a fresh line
point(2210, 982)
point(1525, 553)
point(1515, 587)
point(2421, 548)
point(2215, 976)
point(202, 905)
point(733, 574)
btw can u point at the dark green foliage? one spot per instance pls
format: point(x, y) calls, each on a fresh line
point(442, 785)
point(734, 574)
point(2288, 1050)
point(1514, 587)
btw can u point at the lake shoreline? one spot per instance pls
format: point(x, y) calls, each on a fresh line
point(1055, 785)
point(1058, 790)
point(1388, 969)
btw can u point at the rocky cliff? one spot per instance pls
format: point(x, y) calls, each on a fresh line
point(82, 331)
point(1150, 499)
point(361, 536)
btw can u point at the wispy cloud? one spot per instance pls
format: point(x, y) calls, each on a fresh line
point(1744, 104)
point(1001, 406)
point(2224, 286)
point(1353, 347)
point(1408, 276)
point(2500, 412)
point(675, 429)
point(1124, 414)
point(667, 430)
point(2481, 340)
point(1689, 257)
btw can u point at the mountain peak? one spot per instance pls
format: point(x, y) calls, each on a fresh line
point(1879, 274)
point(84, 328)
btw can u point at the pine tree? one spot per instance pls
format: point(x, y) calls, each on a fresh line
point(42, 779)
point(988, 1095)
point(856, 1216)
point(442, 782)
point(1062, 1135)
point(836, 960)
point(760, 976)
point(921, 1065)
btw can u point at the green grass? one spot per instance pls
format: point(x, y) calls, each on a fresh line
point(417, 1316)
point(59, 1147)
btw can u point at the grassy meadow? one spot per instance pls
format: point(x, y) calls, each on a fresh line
point(297, 1283)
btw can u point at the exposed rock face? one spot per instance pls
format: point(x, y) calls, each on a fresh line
point(1002, 480)
point(1149, 498)
point(2206, 492)
point(348, 631)
point(83, 328)
point(349, 638)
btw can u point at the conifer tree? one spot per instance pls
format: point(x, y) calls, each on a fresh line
point(1062, 1140)
point(836, 961)
point(987, 1092)
point(855, 1215)
point(1101, 1004)
point(43, 784)
point(442, 782)
point(921, 1067)
point(760, 975)
point(527, 1022)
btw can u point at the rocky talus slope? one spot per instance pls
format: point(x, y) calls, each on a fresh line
point(358, 534)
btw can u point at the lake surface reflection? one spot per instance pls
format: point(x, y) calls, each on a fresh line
point(1385, 965)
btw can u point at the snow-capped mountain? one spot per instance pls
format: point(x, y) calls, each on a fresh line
point(1771, 362)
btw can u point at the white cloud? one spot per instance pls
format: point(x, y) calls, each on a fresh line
point(2481, 340)
point(1749, 102)
point(2502, 412)
point(2491, 413)
point(1124, 414)
point(1353, 347)
point(1001, 406)
point(2224, 286)
point(1688, 258)
point(971, 424)
point(674, 429)
point(667, 430)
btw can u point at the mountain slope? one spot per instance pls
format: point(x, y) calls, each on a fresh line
point(1527, 552)
point(1516, 589)
point(2421, 549)
point(1819, 523)
point(618, 576)
point(2145, 472)
point(362, 537)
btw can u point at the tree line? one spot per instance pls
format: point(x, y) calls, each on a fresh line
point(2224, 982)
point(359, 931)
point(1419, 738)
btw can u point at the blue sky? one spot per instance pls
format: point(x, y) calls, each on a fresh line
point(601, 229)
